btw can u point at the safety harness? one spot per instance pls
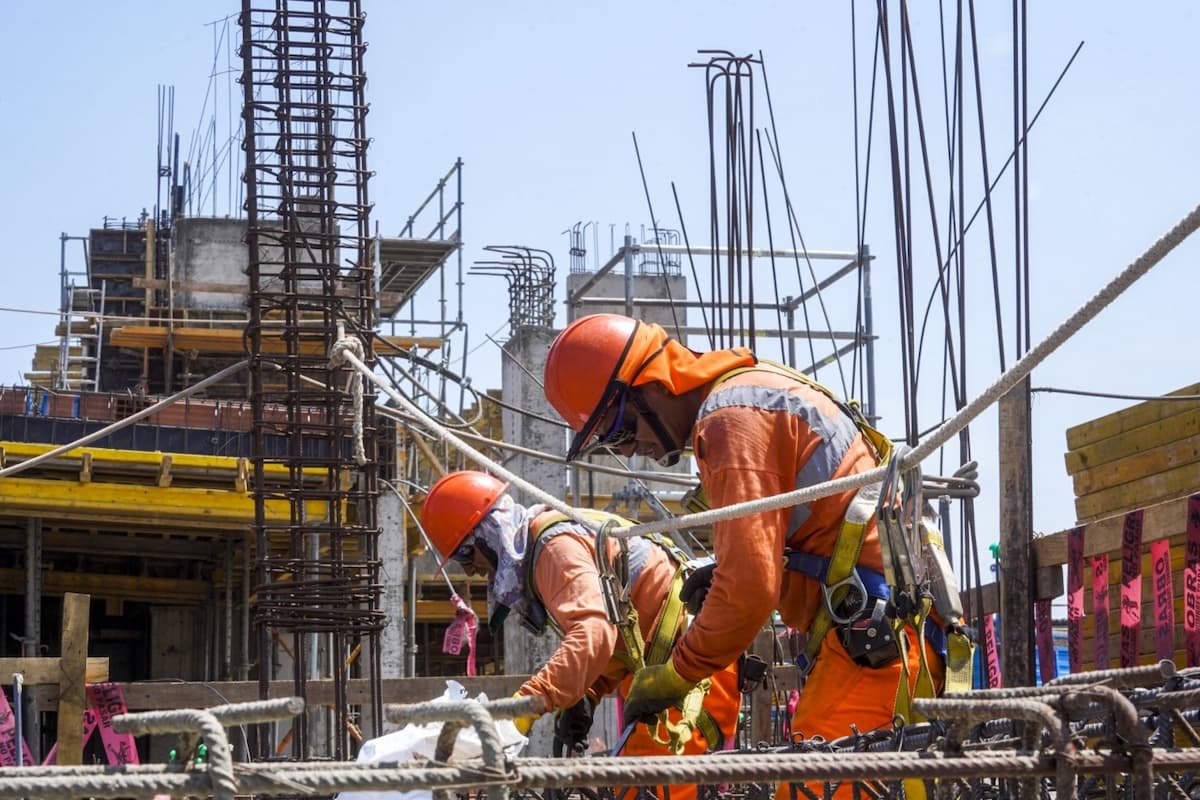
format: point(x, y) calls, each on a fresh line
point(855, 596)
point(617, 581)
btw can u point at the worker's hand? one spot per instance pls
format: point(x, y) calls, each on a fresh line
point(695, 587)
point(523, 724)
point(573, 724)
point(653, 689)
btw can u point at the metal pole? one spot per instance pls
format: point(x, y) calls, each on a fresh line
point(869, 332)
point(628, 252)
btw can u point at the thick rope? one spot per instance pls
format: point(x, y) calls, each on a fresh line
point(127, 421)
point(1015, 374)
point(220, 758)
point(351, 344)
point(326, 778)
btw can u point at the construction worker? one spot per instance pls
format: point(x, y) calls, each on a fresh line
point(542, 565)
point(756, 430)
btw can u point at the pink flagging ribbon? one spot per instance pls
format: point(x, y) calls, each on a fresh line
point(8, 737)
point(109, 700)
point(89, 725)
point(994, 679)
point(1164, 600)
point(1075, 598)
point(1045, 640)
point(1100, 611)
point(105, 701)
point(1191, 583)
point(462, 630)
point(1131, 588)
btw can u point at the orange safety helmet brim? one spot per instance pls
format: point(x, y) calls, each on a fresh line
point(455, 505)
point(599, 356)
point(581, 375)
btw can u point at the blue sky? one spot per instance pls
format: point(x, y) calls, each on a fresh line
point(540, 99)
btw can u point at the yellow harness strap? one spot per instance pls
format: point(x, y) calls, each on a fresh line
point(693, 715)
point(841, 564)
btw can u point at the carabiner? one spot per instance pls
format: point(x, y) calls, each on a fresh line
point(852, 581)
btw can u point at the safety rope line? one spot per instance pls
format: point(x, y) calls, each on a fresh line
point(1056, 750)
point(127, 421)
point(351, 344)
point(1018, 372)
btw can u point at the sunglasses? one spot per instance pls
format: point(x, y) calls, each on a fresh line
point(622, 431)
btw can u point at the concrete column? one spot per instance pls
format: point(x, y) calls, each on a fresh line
point(521, 387)
point(393, 551)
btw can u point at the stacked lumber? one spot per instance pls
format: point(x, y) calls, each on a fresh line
point(1136, 457)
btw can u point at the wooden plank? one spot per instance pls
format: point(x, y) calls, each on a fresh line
point(1047, 580)
point(45, 671)
point(1168, 429)
point(1016, 531)
point(1130, 468)
point(1127, 419)
point(1160, 521)
point(1172, 483)
point(170, 591)
point(72, 686)
point(160, 695)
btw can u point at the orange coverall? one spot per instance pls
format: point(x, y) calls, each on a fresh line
point(568, 583)
point(758, 434)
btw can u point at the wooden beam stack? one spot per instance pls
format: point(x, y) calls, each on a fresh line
point(1136, 457)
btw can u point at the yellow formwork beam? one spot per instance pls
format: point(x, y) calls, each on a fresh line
point(11, 452)
point(146, 505)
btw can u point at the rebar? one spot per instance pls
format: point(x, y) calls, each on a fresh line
point(318, 572)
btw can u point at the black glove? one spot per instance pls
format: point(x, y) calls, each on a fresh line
point(695, 587)
point(572, 725)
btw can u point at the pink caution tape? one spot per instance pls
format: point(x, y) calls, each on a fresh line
point(1131, 588)
point(463, 630)
point(1045, 640)
point(8, 736)
point(994, 679)
point(1075, 568)
point(1191, 583)
point(105, 701)
point(109, 701)
point(1164, 600)
point(1100, 611)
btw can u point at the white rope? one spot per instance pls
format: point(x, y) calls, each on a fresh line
point(126, 422)
point(1015, 374)
point(351, 344)
point(952, 426)
point(449, 438)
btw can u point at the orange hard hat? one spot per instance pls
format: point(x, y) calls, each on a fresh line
point(597, 358)
point(455, 505)
point(582, 370)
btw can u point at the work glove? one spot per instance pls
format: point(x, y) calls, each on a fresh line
point(654, 689)
point(523, 724)
point(572, 725)
point(695, 587)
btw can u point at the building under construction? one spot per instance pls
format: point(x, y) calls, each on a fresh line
point(207, 503)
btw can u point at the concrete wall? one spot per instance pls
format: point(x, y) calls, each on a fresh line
point(210, 251)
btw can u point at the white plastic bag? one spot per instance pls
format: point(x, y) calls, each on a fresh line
point(417, 743)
